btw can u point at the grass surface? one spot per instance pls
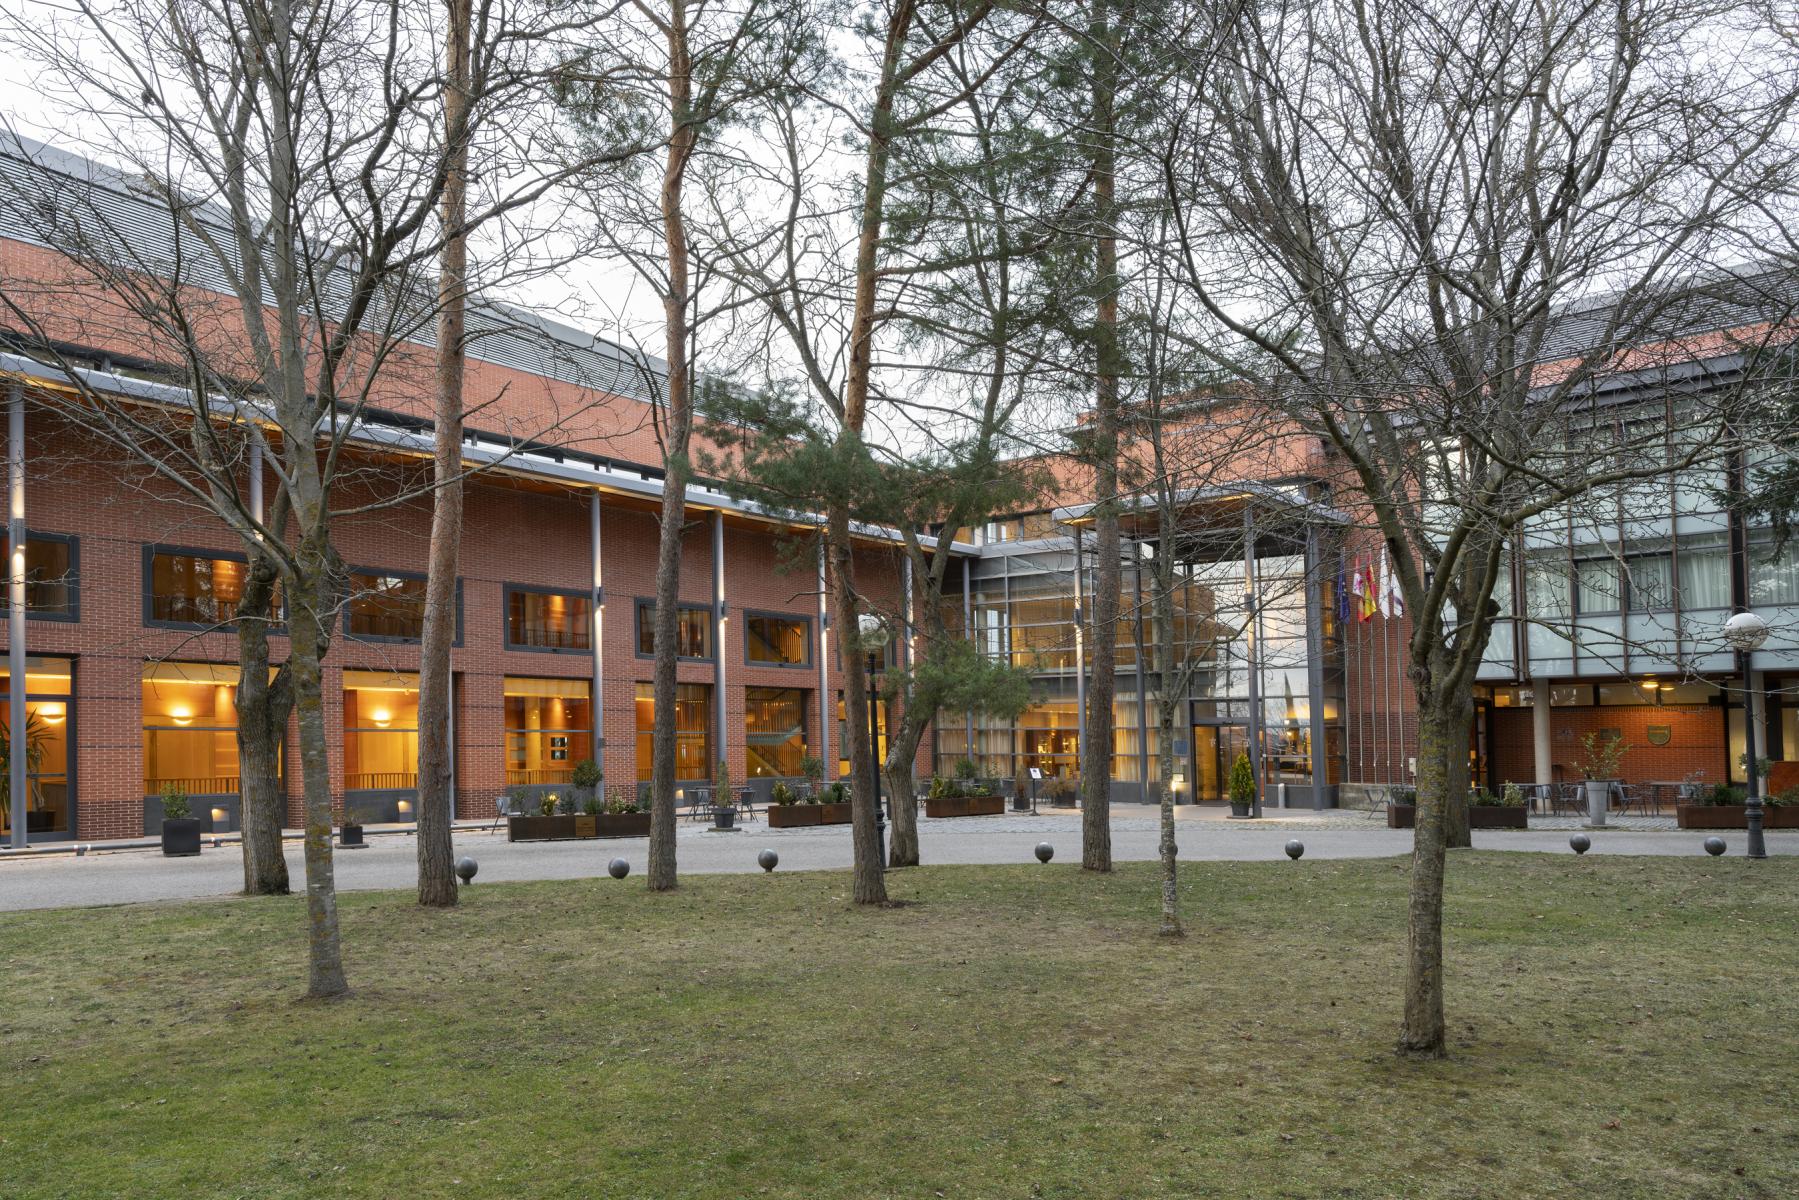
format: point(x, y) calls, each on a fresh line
point(1620, 1027)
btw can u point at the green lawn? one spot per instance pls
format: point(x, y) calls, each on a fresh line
point(1621, 1027)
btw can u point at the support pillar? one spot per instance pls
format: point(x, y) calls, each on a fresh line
point(1080, 657)
point(722, 752)
point(596, 635)
point(1314, 598)
point(968, 631)
point(1252, 617)
point(826, 709)
point(1167, 670)
point(1756, 718)
point(1542, 741)
point(15, 614)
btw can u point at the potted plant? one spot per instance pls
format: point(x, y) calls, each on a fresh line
point(1722, 806)
point(1021, 795)
point(834, 806)
point(587, 777)
point(1242, 785)
point(812, 769)
point(1600, 762)
point(1402, 807)
point(724, 806)
point(180, 832)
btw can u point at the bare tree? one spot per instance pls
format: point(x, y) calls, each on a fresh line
point(1433, 227)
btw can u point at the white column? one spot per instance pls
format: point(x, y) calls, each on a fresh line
point(15, 617)
point(1080, 655)
point(1758, 713)
point(1541, 739)
point(1251, 640)
point(256, 476)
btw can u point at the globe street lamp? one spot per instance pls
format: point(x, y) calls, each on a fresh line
point(874, 637)
point(1746, 632)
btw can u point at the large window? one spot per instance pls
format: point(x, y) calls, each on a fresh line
point(381, 730)
point(49, 713)
point(1705, 572)
point(693, 731)
point(51, 593)
point(192, 587)
point(693, 630)
point(775, 728)
point(843, 736)
point(389, 606)
point(540, 619)
point(549, 728)
point(190, 728)
point(1773, 578)
point(777, 641)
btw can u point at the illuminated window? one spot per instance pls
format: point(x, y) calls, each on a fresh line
point(777, 641)
point(389, 606)
point(539, 619)
point(775, 729)
point(381, 730)
point(693, 630)
point(843, 744)
point(49, 716)
point(190, 728)
point(693, 731)
point(549, 728)
point(50, 577)
point(189, 587)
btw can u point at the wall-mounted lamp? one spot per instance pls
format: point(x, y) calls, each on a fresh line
point(381, 717)
point(53, 713)
point(182, 716)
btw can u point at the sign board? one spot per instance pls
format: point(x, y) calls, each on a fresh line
point(1036, 772)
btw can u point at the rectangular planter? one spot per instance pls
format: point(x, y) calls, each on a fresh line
point(792, 816)
point(1480, 816)
point(833, 814)
point(180, 837)
point(617, 825)
point(1733, 816)
point(540, 829)
point(965, 806)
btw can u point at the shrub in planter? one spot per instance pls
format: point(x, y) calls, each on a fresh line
point(1242, 786)
point(565, 803)
point(180, 832)
point(591, 806)
point(587, 776)
point(781, 795)
point(546, 804)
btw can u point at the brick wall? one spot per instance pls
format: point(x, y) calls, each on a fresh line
point(1695, 741)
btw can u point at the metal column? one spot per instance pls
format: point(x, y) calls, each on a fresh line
point(1166, 669)
point(1080, 659)
point(1314, 594)
point(15, 616)
point(597, 597)
point(256, 476)
point(825, 708)
point(1252, 618)
point(722, 752)
point(969, 632)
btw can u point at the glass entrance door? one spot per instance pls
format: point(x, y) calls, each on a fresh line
point(1215, 748)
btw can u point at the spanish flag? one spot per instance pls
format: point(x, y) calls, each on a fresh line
point(1366, 603)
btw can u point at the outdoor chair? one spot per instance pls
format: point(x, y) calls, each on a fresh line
point(504, 807)
point(746, 801)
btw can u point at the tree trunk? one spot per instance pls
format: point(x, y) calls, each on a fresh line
point(1439, 725)
point(1096, 749)
point(325, 969)
point(263, 706)
point(437, 754)
point(902, 751)
point(661, 875)
point(869, 885)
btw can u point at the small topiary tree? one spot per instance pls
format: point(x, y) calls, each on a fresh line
point(174, 803)
point(1243, 780)
point(587, 776)
point(721, 783)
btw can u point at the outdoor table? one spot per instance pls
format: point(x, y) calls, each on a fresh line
point(1655, 792)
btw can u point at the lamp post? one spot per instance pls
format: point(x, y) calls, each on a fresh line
point(874, 636)
point(1746, 632)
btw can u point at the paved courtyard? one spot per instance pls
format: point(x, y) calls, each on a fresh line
point(124, 876)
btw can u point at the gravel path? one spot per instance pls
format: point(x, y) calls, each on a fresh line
point(133, 876)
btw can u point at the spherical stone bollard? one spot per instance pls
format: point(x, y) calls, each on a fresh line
point(1714, 845)
point(768, 860)
point(466, 868)
point(1581, 843)
point(1045, 851)
point(1295, 848)
point(618, 868)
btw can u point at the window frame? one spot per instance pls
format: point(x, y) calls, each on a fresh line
point(591, 595)
point(151, 621)
point(374, 639)
point(648, 603)
point(750, 614)
point(73, 542)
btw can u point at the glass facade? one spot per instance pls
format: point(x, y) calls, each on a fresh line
point(777, 641)
point(381, 731)
point(185, 588)
point(693, 731)
point(385, 607)
point(190, 728)
point(50, 583)
point(540, 620)
point(775, 730)
point(693, 630)
point(549, 728)
point(49, 743)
